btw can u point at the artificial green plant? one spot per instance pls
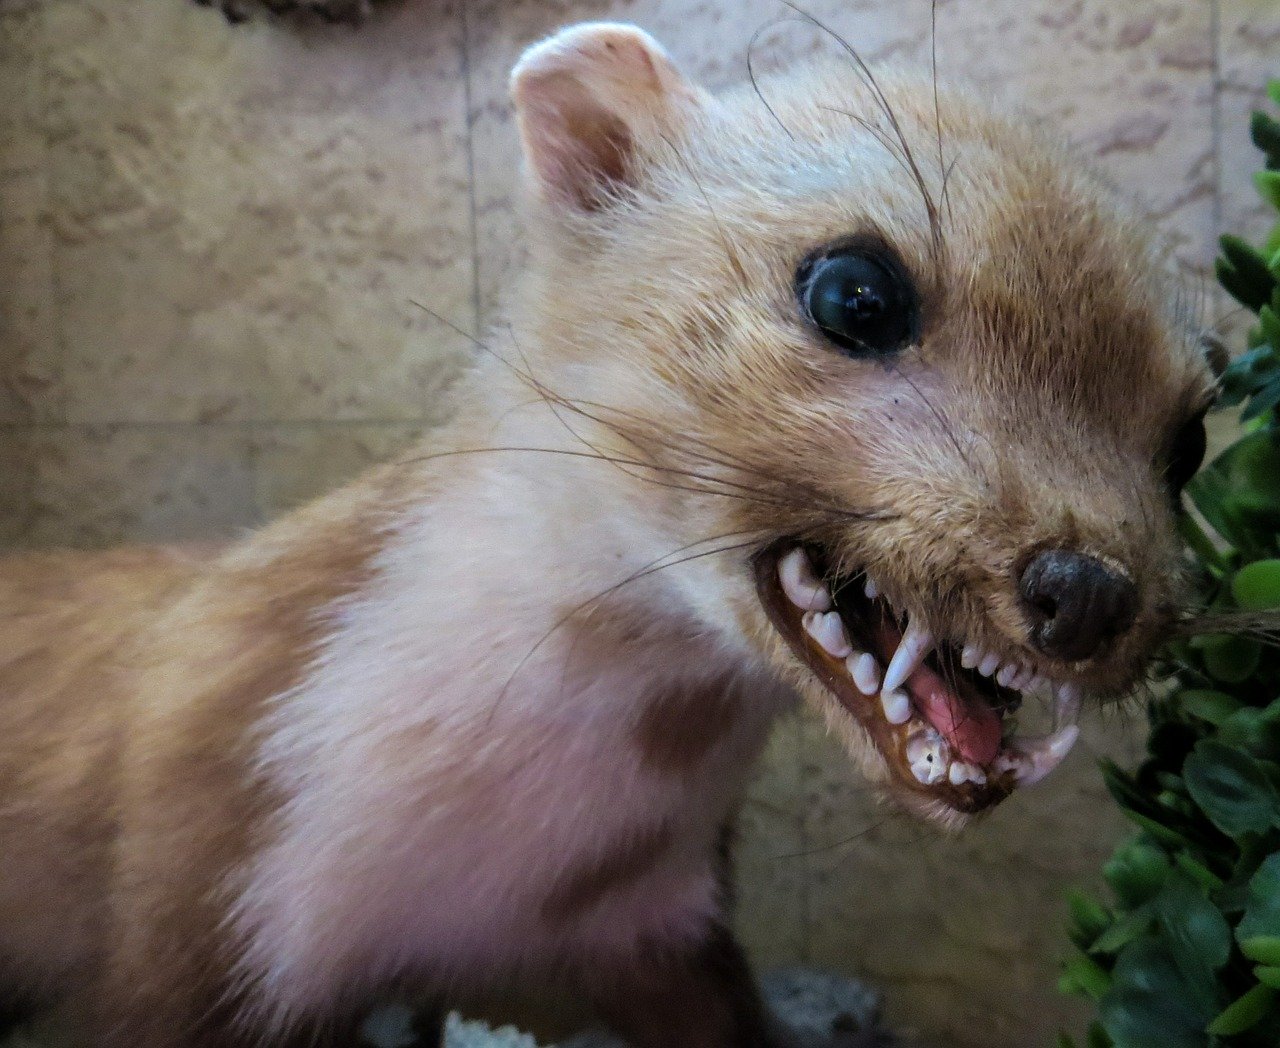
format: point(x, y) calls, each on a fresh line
point(1186, 952)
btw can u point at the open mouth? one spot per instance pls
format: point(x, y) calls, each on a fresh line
point(939, 712)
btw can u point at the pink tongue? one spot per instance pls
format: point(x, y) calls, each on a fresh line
point(971, 729)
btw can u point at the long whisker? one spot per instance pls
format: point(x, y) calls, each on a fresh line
point(882, 101)
point(751, 74)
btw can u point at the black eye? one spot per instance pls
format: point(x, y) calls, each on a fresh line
point(859, 300)
point(1184, 458)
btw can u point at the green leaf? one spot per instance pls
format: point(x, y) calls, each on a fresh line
point(1268, 975)
point(1244, 1013)
point(1268, 183)
point(1084, 976)
point(1231, 658)
point(1265, 949)
point(1123, 931)
point(1098, 1037)
point(1262, 910)
point(1257, 731)
point(1212, 706)
point(1232, 788)
point(1265, 133)
point(1256, 586)
point(1089, 917)
point(1244, 273)
point(1198, 872)
point(1195, 930)
point(1151, 1003)
point(1136, 872)
point(1268, 321)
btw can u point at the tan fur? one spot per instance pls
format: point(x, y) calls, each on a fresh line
point(179, 736)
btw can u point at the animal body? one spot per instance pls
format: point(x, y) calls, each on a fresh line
point(842, 391)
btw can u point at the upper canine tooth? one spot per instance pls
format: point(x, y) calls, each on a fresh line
point(799, 582)
point(1066, 703)
point(990, 662)
point(916, 643)
point(827, 628)
point(970, 656)
point(896, 706)
point(871, 589)
point(865, 671)
point(1032, 759)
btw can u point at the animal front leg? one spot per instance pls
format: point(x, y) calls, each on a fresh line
point(703, 998)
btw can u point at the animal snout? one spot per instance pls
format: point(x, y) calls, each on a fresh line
point(1076, 603)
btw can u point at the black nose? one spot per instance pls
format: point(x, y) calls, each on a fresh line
point(1076, 603)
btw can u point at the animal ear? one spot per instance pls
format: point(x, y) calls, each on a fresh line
point(586, 100)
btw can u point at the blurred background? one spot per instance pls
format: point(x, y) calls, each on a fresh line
point(211, 239)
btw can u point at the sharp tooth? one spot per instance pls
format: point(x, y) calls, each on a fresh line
point(1024, 678)
point(1066, 703)
point(865, 671)
point(961, 772)
point(1007, 672)
point(871, 589)
point(970, 656)
point(828, 630)
point(896, 706)
point(927, 754)
point(989, 664)
point(800, 584)
point(1038, 683)
point(916, 643)
point(1031, 760)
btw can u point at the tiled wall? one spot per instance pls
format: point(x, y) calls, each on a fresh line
point(212, 240)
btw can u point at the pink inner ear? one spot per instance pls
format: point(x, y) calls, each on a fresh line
point(578, 148)
point(597, 157)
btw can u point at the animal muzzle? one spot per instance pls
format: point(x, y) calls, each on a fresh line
point(1076, 603)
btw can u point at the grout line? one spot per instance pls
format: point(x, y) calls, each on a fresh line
point(1215, 114)
point(469, 124)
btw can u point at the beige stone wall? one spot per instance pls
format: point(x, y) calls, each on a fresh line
point(211, 242)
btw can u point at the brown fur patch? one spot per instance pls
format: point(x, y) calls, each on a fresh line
point(680, 726)
point(620, 865)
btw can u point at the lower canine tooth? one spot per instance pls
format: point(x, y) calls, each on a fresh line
point(865, 671)
point(1031, 760)
point(827, 628)
point(799, 582)
point(1066, 703)
point(896, 706)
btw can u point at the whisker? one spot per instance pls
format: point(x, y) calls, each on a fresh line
point(751, 73)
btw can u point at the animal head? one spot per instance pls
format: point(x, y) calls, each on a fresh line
point(918, 365)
